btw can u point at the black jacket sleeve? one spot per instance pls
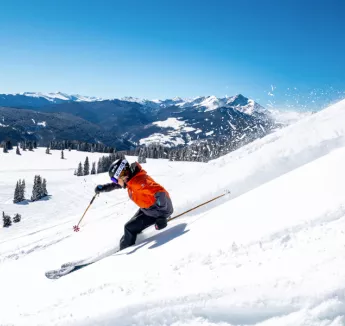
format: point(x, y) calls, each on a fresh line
point(110, 187)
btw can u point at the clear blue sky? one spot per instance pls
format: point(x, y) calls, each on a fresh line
point(162, 49)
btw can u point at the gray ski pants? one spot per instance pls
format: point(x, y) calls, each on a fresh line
point(145, 217)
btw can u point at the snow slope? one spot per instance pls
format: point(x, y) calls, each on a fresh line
point(270, 253)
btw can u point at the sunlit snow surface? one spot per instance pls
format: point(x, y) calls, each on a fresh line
point(269, 254)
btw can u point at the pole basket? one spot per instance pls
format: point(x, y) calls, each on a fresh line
point(76, 228)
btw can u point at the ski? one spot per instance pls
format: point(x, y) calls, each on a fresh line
point(68, 268)
point(57, 273)
point(73, 263)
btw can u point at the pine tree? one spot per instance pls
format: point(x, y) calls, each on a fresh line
point(93, 170)
point(37, 192)
point(100, 165)
point(16, 198)
point(47, 150)
point(142, 156)
point(17, 218)
point(34, 195)
point(17, 150)
point(80, 170)
point(39, 187)
point(44, 188)
point(6, 220)
point(5, 148)
point(22, 190)
point(9, 145)
point(62, 155)
point(86, 166)
point(31, 148)
point(24, 146)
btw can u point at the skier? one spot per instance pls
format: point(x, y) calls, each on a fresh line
point(154, 201)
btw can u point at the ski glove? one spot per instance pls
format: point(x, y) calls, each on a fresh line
point(107, 187)
point(161, 223)
point(99, 189)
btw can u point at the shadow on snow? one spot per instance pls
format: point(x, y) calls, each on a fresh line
point(163, 237)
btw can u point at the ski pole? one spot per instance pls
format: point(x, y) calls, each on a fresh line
point(76, 227)
point(226, 193)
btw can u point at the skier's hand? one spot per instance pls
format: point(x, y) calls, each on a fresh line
point(99, 189)
point(161, 223)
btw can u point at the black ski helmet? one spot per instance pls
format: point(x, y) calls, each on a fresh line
point(117, 168)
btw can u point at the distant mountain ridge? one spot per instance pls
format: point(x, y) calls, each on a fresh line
point(131, 121)
point(209, 103)
point(38, 99)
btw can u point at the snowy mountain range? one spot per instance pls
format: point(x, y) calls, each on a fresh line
point(171, 122)
point(208, 103)
point(37, 99)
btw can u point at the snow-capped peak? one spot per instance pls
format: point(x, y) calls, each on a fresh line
point(131, 99)
point(211, 103)
point(178, 99)
point(59, 96)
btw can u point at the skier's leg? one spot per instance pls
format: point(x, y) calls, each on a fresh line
point(133, 227)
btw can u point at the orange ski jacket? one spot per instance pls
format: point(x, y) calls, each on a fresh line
point(142, 189)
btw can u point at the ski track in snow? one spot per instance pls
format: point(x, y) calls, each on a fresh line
point(268, 254)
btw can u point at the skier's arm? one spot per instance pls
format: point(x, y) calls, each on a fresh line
point(107, 187)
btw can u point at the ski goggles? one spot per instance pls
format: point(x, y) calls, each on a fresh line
point(120, 172)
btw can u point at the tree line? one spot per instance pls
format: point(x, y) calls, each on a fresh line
point(25, 145)
point(59, 145)
point(198, 151)
point(81, 146)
